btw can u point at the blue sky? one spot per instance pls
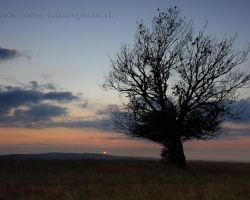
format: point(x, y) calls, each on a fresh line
point(53, 50)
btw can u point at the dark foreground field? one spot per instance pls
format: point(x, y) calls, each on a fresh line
point(122, 179)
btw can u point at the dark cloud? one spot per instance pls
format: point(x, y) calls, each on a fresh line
point(29, 107)
point(108, 110)
point(36, 116)
point(11, 97)
point(6, 54)
point(26, 106)
point(19, 119)
point(245, 115)
point(239, 132)
point(50, 86)
point(9, 53)
point(102, 124)
point(17, 97)
point(42, 110)
point(103, 112)
point(84, 105)
point(33, 85)
point(122, 137)
point(32, 118)
point(60, 96)
point(234, 133)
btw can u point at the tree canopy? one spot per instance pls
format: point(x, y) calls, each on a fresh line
point(179, 86)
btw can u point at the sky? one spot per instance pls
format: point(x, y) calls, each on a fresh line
point(53, 56)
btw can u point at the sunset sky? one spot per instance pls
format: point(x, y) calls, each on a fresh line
point(53, 55)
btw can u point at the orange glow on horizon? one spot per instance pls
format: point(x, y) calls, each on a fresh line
point(87, 137)
point(68, 136)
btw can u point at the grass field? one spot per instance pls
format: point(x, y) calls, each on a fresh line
point(122, 180)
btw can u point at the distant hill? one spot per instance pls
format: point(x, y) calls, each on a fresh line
point(69, 156)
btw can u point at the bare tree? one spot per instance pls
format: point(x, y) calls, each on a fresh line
point(195, 103)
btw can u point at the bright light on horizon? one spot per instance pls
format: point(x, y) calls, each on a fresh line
point(104, 152)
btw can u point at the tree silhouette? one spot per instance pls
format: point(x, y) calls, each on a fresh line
point(178, 86)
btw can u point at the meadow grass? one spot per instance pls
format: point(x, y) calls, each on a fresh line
point(122, 180)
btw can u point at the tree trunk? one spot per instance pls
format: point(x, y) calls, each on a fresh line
point(173, 152)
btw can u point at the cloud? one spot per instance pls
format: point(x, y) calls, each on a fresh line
point(6, 54)
point(102, 124)
point(30, 107)
point(35, 86)
point(238, 106)
point(239, 132)
point(107, 111)
point(11, 97)
point(32, 118)
point(16, 97)
point(84, 105)
point(121, 137)
point(60, 96)
point(9, 54)
point(36, 116)
point(103, 112)
point(42, 110)
point(234, 133)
